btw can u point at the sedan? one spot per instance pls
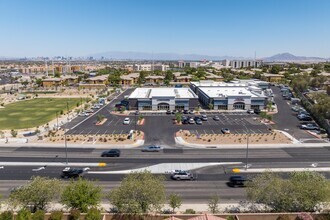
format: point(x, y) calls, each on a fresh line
point(126, 121)
point(151, 148)
point(225, 131)
point(111, 153)
point(216, 118)
point(309, 127)
point(199, 121)
point(191, 121)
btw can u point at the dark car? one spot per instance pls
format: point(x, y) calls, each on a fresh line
point(305, 118)
point(199, 121)
point(185, 112)
point(73, 172)
point(237, 181)
point(168, 112)
point(257, 111)
point(111, 153)
point(197, 118)
point(185, 122)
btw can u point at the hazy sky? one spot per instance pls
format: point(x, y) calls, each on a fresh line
point(210, 27)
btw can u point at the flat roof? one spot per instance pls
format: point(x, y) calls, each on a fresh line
point(223, 92)
point(145, 93)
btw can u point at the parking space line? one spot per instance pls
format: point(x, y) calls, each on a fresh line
point(117, 121)
point(81, 132)
point(89, 132)
point(97, 132)
point(121, 131)
point(105, 132)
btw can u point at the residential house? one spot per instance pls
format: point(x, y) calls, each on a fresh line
point(130, 79)
point(152, 80)
point(51, 82)
point(103, 79)
point(269, 77)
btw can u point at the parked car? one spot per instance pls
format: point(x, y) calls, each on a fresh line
point(73, 172)
point(307, 118)
point(199, 121)
point(183, 175)
point(126, 121)
point(83, 114)
point(185, 111)
point(191, 112)
point(174, 112)
point(309, 127)
point(257, 111)
point(183, 118)
point(185, 122)
point(89, 111)
point(151, 148)
point(225, 131)
point(216, 118)
point(111, 153)
point(191, 121)
point(237, 181)
point(204, 118)
point(250, 111)
point(168, 112)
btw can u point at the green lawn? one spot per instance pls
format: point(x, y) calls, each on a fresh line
point(32, 113)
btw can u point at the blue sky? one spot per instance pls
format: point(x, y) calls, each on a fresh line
point(210, 27)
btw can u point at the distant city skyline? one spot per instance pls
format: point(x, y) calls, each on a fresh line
point(237, 28)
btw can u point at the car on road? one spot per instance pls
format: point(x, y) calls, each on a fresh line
point(69, 172)
point(309, 127)
point(216, 118)
point(191, 121)
point(239, 181)
point(199, 121)
point(250, 111)
point(225, 130)
point(204, 118)
point(126, 121)
point(111, 153)
point(151, 148)
point(183, 175)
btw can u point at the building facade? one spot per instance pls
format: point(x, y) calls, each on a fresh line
point(162, 99)
point(229, 96)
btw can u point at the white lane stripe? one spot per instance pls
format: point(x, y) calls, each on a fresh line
point(56, 164)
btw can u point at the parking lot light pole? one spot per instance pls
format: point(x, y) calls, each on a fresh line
point(247, 151)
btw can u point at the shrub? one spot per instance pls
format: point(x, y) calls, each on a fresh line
point(231, 217)
point(23, 214)
point(74, 214)
point(38, 215)
point(93, 214)
point(189, 211)
point(56, 215)
point(304, 216)
point(6, 215)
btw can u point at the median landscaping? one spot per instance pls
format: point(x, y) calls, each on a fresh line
point(274, 137)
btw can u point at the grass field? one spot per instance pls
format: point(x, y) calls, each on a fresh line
point(35, 112)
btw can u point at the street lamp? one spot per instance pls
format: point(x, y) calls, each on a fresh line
point(247, 151)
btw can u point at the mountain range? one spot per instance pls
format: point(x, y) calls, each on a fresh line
point(120, 55)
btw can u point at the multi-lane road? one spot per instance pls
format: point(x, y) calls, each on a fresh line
point(211, 180)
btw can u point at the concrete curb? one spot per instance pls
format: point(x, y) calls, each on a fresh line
point(180, 141)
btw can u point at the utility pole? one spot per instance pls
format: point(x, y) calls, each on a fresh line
point(247, 151)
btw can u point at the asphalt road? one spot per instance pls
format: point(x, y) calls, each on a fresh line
point(211, 180)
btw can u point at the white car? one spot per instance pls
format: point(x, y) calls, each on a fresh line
point(126, 121)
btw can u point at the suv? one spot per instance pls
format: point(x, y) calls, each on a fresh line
point(182, 175)
point(204, 118)
point(237, 181)
point(73, 172)
point(111, 153)
point(309, 127)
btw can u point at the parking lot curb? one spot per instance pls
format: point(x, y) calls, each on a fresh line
point(180, 141)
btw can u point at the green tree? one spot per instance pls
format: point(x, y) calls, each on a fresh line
point(93, 214)
point(211, 106)
point(178, 117)
point(100, 117)
point(303, 191)
point(174, 201)
point(142, 77)
point(23, 214)
point(275, 69)
point(37, 194)
point(114, 78)
point(7, 215)
point(214, 204)
point(38, 215)
point(139, 192)
point(39, 82)
point(169, 76)
point(81, 194)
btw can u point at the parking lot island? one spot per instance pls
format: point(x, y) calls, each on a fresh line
point(274, 137)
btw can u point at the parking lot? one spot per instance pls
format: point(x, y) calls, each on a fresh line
point(159, 127)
